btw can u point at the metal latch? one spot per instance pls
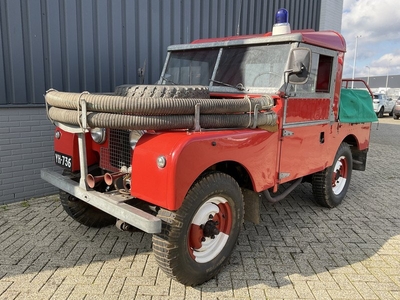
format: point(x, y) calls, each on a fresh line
point(287, 133)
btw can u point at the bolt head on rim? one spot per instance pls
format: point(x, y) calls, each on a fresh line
point(203, 246)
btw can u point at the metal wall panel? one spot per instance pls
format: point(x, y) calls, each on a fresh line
point(94, 45)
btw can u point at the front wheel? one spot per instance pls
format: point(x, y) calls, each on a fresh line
point(83, 212)
point(330, 185)
point(197, 240)
point(380, 113)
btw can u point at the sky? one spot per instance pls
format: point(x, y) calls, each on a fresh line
point(377, 25)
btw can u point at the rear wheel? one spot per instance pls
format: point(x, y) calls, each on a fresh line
point(197, 240)
point(330, 185)
point(83, 212)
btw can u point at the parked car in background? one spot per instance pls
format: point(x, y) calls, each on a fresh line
point(396, 109)
point(383, 104)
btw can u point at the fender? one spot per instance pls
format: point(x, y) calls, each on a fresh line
point(359, 132)
point(189, 154)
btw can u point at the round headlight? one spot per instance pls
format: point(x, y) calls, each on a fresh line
point(98, 135)
point(134, 137)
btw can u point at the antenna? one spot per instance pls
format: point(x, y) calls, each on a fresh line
point(239, 19)
point(141, 72)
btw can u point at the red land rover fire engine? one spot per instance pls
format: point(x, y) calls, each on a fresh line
point(230, 120)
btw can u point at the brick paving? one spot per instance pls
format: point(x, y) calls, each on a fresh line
point(298, 251)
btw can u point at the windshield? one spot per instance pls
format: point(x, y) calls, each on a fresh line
point(258, 66)
point(255, 66)
point(190, 67)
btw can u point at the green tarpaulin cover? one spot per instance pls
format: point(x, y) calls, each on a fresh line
point(356, 107)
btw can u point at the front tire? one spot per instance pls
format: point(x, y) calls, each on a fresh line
point(198, 239)
point(330, 185)
point(83, 212)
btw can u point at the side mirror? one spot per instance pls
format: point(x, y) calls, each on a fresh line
point(299, 65)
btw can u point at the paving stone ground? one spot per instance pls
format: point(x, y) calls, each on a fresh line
point(298, 251)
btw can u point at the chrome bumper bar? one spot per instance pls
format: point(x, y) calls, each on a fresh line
point(111, 203)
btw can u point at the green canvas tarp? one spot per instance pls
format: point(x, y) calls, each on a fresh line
point(355, 106)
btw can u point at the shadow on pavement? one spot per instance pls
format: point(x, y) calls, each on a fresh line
point(296, 238)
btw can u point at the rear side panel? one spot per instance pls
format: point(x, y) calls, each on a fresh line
point(309, 149)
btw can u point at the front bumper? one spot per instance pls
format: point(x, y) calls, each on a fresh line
point(111, 203)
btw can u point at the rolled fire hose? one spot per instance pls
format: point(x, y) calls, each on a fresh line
point(157, 113)
point(117, 121)
point(155, 106)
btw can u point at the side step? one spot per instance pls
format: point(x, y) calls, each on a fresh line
point(111, 203)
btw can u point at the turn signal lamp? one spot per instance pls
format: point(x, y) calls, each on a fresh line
point(281, 25)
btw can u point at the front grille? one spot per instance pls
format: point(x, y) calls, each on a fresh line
point(118, 153)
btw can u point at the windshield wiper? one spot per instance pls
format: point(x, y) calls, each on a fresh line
point(167, 80)
point(239, 86)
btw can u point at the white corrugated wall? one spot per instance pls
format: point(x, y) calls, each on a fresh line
point(331, 15)
point(95, 45)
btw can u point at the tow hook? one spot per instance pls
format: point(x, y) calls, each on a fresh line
point(123, 226)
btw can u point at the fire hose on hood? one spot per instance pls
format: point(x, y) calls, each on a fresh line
point(125, 112)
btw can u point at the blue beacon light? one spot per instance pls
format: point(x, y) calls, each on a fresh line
point(281, 25)
point(282, 16)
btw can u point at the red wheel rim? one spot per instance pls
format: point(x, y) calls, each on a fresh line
point(339, 175)
point(210, 229)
